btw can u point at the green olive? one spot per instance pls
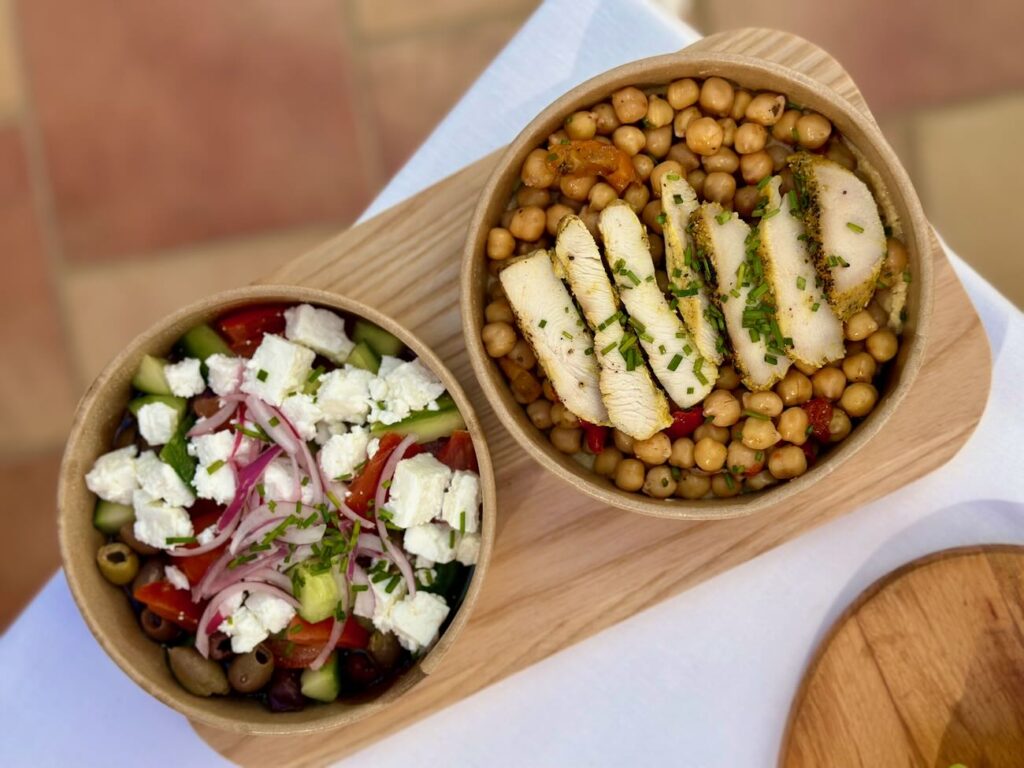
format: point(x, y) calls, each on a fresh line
point(157, 627)
point(118, 563)
point(251, 671)
point(203, 677)
point(385, 649)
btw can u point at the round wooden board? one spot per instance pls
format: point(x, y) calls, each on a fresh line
point(925, 668)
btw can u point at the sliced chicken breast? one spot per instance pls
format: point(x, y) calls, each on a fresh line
point(552, 325)
point(844, 228)
point(813, 333)
point(674, 359)
point(687, 284)
point(721, 238)
point(635, 405)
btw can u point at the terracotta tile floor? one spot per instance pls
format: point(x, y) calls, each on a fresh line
point(182, 146)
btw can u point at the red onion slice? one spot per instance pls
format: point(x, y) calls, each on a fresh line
point(389, 470)
point(206, 625)
point(225, 576)
point(397, 555)
point(270, 576)
point(211, 423)
point(279, 432)
point(332, 640)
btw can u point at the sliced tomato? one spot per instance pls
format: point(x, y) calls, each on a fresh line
point(289, 655)
point(595, 437)
point(302, 642)
point(171, 603)
point(204, 514)
point(457, 452)
point(363, 487)
point(244, 329)
point(685, 423)
point(819, 414)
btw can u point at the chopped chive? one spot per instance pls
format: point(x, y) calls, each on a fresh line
point(772, 212)
point(677, 199)
point(764, 182)
point(462, 521)
point(661, 349)
point(588, 351)
point(661, 218)
point(723, 217)
point(771, 359)
point(274, 421)
point(689, 390)
point(451, 539)
point(814, 306)
point(673, 177)
point(179, 540)
point(262, 374)
point(687, 350)
point(674, 362)
point(608, 349)
point(566, 335)
point(855, 227)
point(794, 204)
point(801, 283)
point(215, 466)
point(906, 276)
point(392, 584)
point(756, 415)
point(542, 323)
point(632, 276)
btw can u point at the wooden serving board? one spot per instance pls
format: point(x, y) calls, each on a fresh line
point(926, 668)
point(543, 594)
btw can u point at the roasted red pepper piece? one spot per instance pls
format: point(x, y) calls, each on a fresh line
point(244, 329)
point(594, 436)
point(819, 414)
point(588, 157)
point(457, 452)
point(685, 423)
point(171, 603)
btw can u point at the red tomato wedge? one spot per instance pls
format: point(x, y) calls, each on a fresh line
point(363, 487)
point(819, 414)
point(302, 642)
point(244, 329)
point(457, 452)
point(171, 603)
point(204, 514)
point(685, 423)
point(595, 437)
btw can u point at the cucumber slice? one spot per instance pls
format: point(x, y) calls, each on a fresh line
point(110, 516)
point(202, 341)
point(150, 376)
point(426, 425)
point(317, 594)
point(363, 356)
point(175, 451)
point(380, 341)
point(178, 403)
point(323, 684)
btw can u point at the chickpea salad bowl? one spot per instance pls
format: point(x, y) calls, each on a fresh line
point(695, 284)
point(275, 510)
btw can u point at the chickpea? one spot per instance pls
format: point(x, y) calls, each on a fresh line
point(766, 108)
point(500, 243)
point(669, 166)
point(549, 391)
point(629, 139)
point(722, 407)
point(683, 120)
point(567, 440)
point(854, 348)
point(778, 154)
point(875, 310)
point(787, 461)
point(651, 216)
point(765, 403)
point(724, 160)
point(860, 326)
point(761, 480)
point(658, 141)
point(719, 187)
point(828, 383)
point(755, 166)
point(528, 223)
point(704, 136)
point(804, 368)
point(793, 423)
point(785, 129)
point(683, 93)
point(859, 367)
point(644, 166)
point(590, 217)
point(536, 171)
point(630, 104)
point(659, 483)
point(576, 187)
point(558, 137)
point(882, 344)
point(657, 248)
point(498, 338)
point(716, 96)
point(693, 485)
point(605, 118)
point(740, 103)
point(838, 152)
point(696, 180)
point(636, 195)
point(661, 278)
point(524, 248)
point(539, 412)
point(522, 354)
point(682, 453)
point(659, 112)
point(606, 462)
point(555, 214)
point(746, 200)
point(741, 460)
point(724, 486)
point(759, 434)
point(563, 417)
point(531, 196)
point(858, 399)
point(630, 475)
point(896, 258)
point(623, 441)
point(727, 377)
point(523, 384)
point(601, 195)
point(708, 429)
point(654, 450)
point(581, 125)
point(681, 154)
point(813, 130)
point(709, 454)
point(750, 138)
point(787, 181)
point(728, 131)
point(839, 426)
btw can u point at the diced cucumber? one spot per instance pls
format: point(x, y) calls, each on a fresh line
point(175, 451)
point(110, 516)
point(180, 404)
point(427, 425)
point(202, 341)
point(317, 594)
point(380, 341)
point(363, 356)
point(322, 684)
point(150, 378)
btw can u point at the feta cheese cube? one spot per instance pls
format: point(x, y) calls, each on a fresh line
point(372, 447)
point(176, 577)
point(185, 378)
point(325, 430)
point(461, 504)
point(277, 369)
point(467, 549)
point(417, 490)
point(303, 414)
point(207, 535)
point(157, 422)
point(431, 540)
point(244, 629)
point(279, 483)
point(417, 620)
point(425, 576)
point(157, 521)
point(160, 481)
point(218, 485)
point(387, 365)
point(274, 613)
point(344, 394)
point(225, 373)
point(213, 447)
point(319, 329)
point(423, 562)
point(383, 600)
point(343, 453)
point(112, 476)
point(409, 386)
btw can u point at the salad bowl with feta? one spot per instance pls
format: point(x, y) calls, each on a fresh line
point(276, 509)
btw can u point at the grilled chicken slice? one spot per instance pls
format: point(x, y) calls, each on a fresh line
point(844, 229)
point(803, 313)
point(693, 296)
point(684, 373)
point(720, 237)
point(635, 405)
point(552, 325)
